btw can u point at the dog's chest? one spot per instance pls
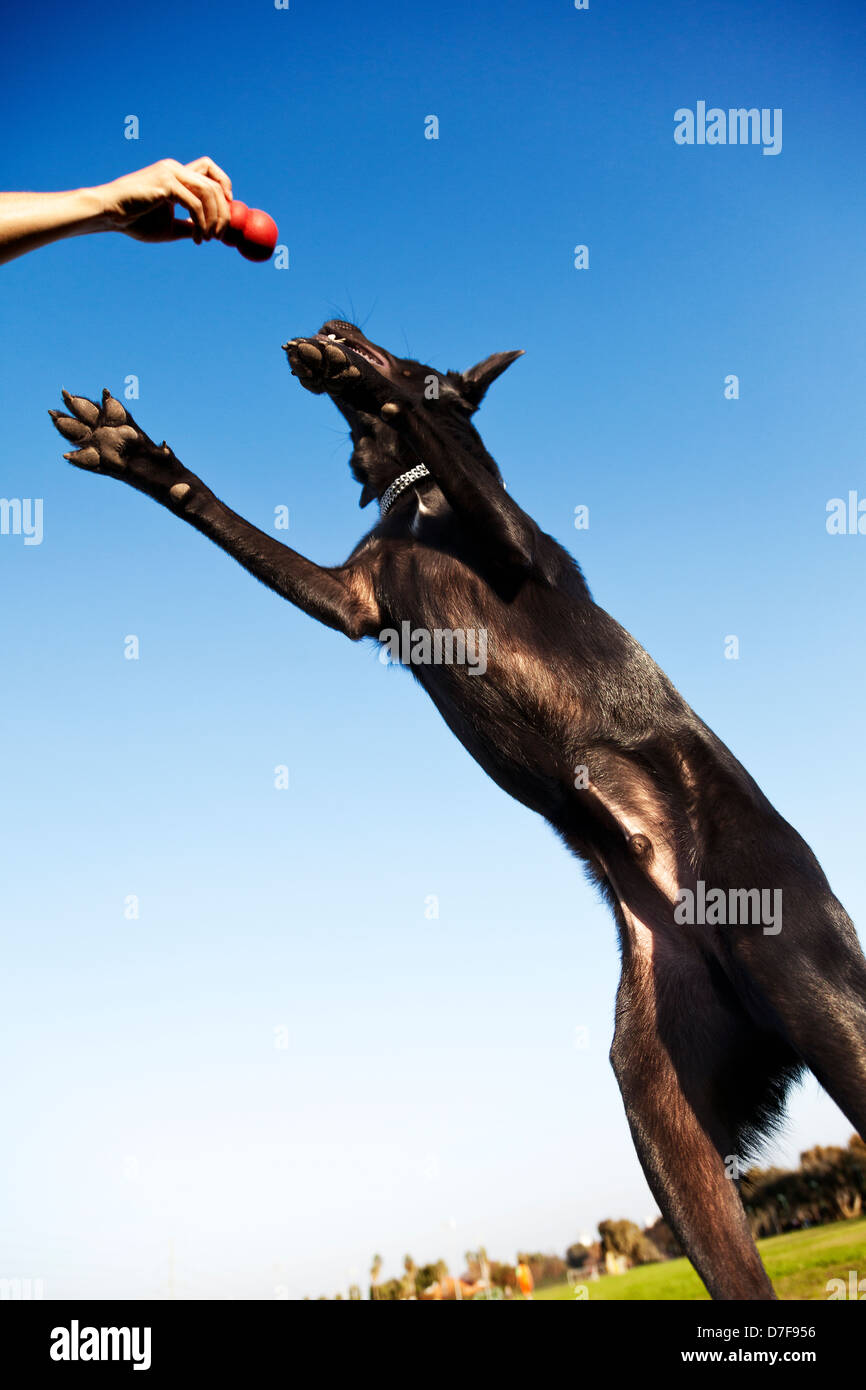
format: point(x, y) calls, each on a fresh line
point(426, 519)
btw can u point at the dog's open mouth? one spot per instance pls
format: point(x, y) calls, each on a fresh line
point(346, 341)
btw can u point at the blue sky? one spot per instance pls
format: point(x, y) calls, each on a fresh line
point(430, 1096)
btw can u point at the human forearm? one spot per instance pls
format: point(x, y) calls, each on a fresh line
point(140, 204)
point(30, 220)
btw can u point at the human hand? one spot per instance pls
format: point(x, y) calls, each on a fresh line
point(142, 204)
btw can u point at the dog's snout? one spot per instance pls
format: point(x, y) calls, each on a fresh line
point(340, 326)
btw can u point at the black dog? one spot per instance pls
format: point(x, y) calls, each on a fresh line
point(721, 1001)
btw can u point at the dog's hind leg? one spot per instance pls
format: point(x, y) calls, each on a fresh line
point(813, 976)
point(694, 1078)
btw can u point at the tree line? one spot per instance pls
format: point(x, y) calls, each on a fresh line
point(828, 1185)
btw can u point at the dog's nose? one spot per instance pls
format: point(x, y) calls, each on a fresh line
point(340, 326)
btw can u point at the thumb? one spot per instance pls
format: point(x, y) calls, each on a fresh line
point(182, 229)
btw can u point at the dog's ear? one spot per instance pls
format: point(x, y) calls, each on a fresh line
point(474, 383)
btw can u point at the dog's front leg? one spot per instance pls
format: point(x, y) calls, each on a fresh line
point(108, 441)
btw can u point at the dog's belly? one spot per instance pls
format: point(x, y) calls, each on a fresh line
point(514, 736)
point(571, 717)
point(654, 822)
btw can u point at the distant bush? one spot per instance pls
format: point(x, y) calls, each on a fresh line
point(625, 1238)
point(502, 1276)
point(546, 1269)
point(663, 1239)
point(576, 1256)
point(391, 1291)
point(829, 1185)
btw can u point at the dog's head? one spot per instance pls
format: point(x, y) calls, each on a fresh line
point(366, 383)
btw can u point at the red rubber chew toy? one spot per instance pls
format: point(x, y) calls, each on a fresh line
point(252, 231)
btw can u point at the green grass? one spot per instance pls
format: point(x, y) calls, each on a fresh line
point(799, 1265)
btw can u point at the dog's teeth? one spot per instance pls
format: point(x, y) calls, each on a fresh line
point(310, 353)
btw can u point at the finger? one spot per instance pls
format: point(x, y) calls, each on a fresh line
point(182, 229)
point(205, 191)
point(214, 201)
point(207, 166)
point(193, 204)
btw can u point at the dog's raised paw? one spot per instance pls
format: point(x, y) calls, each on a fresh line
point(108, 441)
point(306, 362)
point(320, 366)
point(102, 433)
